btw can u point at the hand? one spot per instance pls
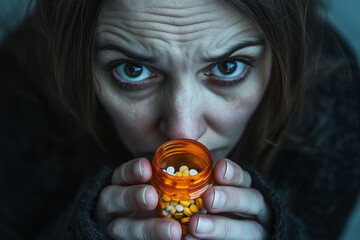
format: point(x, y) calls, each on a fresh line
point(240, 211)
point(124, 207)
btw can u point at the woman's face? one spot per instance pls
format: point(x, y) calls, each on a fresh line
point(179, 69)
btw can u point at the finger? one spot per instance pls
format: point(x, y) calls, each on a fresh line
point(219, 227)
point(120, 200)
point(248, 201)
point(189, 237)
point(227, 172)
point(132, 172)
point(149, 229)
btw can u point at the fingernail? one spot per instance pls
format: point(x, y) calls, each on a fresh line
point(204, 225)
point(163, 229)
point(229, 172)
point(141, 195)
point(219, 199)
point(169, 231)
point(140, 169)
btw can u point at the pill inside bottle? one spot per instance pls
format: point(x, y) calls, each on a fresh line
point(182, 172)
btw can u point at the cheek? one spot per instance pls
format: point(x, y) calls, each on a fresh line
point(235, 112)
point(129, 117)
point(133, 120)
point(246, 102)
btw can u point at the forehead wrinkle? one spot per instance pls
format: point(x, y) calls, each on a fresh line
point(122, 32)
point(176, 32)
point(177, 15)
point(175, 7)
point(111, 30)
point(228, 38)
point(155, 22)
point(155, 26)
point(175, 23)
point(179, 34)
point(109, 37)
point(235, 37)
point(155, 15)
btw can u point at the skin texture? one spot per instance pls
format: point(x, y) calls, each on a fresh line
point(181, 97)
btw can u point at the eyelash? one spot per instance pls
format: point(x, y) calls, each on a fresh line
point(242, 77)
point(128, 86)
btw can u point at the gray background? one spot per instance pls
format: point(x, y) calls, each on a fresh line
point(344, 14)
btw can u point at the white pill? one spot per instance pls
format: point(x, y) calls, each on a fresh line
point(164, 170)
point(193, 172)
point(165, 213)
point(179, 208)
point(168, 208)
point(203, 211)
point(170, 170)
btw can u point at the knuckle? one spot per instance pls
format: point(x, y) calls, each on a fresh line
point(258, 202)
point(119, 175)
point(256, 231)
point(241, 176)
point(114, 230)
point(146, 230)
point(116, 174)
point(227, 232)
point(122, 173)
point(105, 198)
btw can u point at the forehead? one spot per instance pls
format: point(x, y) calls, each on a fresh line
point(150, 25)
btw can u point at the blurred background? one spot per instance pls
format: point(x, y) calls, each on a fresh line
point(343, 14)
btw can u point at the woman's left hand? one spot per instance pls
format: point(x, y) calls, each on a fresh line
point(240, 212)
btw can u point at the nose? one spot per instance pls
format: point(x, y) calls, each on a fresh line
point(183, 112)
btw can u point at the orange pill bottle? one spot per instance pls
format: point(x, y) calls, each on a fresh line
point(180, 197)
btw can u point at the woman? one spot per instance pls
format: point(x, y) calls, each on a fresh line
point(230, 75)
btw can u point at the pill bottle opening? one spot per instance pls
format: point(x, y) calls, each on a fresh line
point(180, 152)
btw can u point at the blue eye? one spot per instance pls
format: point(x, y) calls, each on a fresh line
point(229, 72)
point(131, 72)
point(228, 69)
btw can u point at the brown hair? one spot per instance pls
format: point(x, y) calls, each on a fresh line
point(69, 27)
point(286, 27)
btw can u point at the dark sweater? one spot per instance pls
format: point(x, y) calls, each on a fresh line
point(52, 172)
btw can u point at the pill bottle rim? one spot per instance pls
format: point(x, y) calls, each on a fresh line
point(194, 181)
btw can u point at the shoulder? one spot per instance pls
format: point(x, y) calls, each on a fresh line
point(329, 119)
point(35, 128)
point(320, 156)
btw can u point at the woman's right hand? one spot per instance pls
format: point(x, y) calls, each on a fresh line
point(125, 209)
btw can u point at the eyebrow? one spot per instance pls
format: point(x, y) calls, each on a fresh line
point(129, 54)
point(140, 58)
point(237, 47)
